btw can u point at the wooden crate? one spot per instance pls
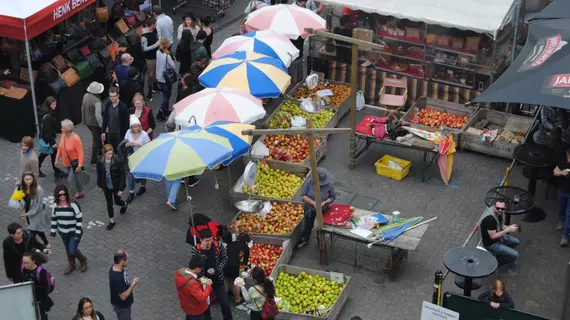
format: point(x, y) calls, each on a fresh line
point(237, 195)
point(331, 124)
point(336, 308)
point(278, 242)
point(443, 106)
point(293, 236)
point(497, 148)
point(320, 152)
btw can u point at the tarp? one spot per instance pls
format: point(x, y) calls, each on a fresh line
point(483, 16)
point(541, 72)
point(18, 17)
point(556, 10)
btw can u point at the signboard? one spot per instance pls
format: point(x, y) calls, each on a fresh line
point(337, 276)
point(432, 311)
point(17, 301)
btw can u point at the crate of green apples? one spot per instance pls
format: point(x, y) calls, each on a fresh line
point(304, 290)
point(275, 180)
point(281, 118)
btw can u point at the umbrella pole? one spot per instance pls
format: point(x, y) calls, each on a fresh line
point(230, 186)
point(217, 187)
point(189, 198)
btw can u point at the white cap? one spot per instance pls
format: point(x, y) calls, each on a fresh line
point(134, 120)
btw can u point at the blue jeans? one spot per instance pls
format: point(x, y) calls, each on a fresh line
point(172, 188)
point(222, 298)
point(70, 243)
point(505, 249)
point(564, 212)
point(166, 89)
point(132, 181)
point(310, 215)
point(198, 317)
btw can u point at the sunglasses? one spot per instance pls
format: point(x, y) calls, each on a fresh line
point(501, 209)
point(62, 194)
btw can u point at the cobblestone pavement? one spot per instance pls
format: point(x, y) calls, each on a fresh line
point(154, 236)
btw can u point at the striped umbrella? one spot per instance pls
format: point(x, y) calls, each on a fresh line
point(287, 20)
point(265, 42)
point(179, 154)
point(218, 104)
point(258, 74)
point(232, 131)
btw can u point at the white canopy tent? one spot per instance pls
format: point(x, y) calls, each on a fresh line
point(482, 16)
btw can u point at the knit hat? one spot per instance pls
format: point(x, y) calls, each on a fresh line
point(324, 176)
point(95, 87)
point(134, 121)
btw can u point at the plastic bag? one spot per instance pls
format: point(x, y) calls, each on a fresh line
point(394, 165)
point(259, 150)
point(14, 204)
point(297, 122)
point(360, 102)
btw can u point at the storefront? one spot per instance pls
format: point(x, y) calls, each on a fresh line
point(450, 50)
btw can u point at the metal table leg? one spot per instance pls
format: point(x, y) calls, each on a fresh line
point(467, 287)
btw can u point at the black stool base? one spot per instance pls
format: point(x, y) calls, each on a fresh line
point(460, 282)
point(534, 215)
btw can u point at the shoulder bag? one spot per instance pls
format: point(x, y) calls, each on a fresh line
point(169, 74)
point(74, 162)
point(269, 308)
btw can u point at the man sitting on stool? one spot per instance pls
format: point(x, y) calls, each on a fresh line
point(495, 235)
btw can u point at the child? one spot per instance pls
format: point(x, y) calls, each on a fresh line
point(232, 268)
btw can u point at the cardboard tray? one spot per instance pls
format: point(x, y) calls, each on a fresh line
point(301, 171)
point(336, 308)
point(293, 236)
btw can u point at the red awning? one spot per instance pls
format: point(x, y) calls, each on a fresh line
point(36, 16)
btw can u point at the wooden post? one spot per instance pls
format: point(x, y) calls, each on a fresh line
point(353, 87)
point(317, 189)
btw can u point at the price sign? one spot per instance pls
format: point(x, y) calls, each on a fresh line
point(325, 93)
point(432, 311)
point(337, 276)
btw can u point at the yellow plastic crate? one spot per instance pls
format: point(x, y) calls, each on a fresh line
point(383, 169)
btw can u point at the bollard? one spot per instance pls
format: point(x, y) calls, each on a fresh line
point(437, 284)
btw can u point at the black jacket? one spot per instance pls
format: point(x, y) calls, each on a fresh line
point(49, 127)
point(123, 117)
point(184, 56)
point(117, 174)
point(13, 257)
point(129, 88)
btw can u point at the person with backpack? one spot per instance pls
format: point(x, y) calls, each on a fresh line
point(192, 293)
point(216, 258)
point(201, 222)
point(14, 246)
point(261, 296)
point(44, 283)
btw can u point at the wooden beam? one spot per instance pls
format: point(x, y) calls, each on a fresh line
point(300, 131)
point(354, 89)
point(361, 43)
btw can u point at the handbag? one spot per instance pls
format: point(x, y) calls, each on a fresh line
point(132, 21)
point(74, 56)
point(133, 38)
point(85, 51)
point(59, 63)
point(25, 75)
point(105, 55)
point(44, 147)
point(169, 74)
point(96, 45)
point(141, 16)
point(11, 45)
point(48, 73)
point(94, 61)
point(102, 12)
point(84, 69)
point(121, 26)
point(58, 85)
point(269, 308)
point(70, 77)
point(122, 41)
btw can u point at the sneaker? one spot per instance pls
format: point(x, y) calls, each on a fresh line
point(149, 98)
point(302, 244)
point(193, 181)
point(559, 226)
point(564, 242)
point(110, 226)
point(124, 208)
point(172, 206)
point(79, 195)
point(241, 306)
point(141, 191)
point(131, 197)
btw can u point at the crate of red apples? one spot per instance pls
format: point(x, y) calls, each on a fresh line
point(284, 220)
point(268, 253)
point(292, 149)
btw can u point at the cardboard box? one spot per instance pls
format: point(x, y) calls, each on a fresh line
point(363, 34)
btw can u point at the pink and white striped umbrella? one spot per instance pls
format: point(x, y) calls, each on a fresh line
point(218, 104)
point(288, 20)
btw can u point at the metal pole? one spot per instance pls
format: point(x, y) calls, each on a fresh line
point(32, 85)
point(353, 87)
point(565, 303)
point(437, 284)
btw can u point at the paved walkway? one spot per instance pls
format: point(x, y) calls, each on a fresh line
point(154, 236)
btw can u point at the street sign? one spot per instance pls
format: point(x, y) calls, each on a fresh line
point(432, 311)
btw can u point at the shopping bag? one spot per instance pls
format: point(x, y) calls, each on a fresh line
point(14, 204)
point(360, 102)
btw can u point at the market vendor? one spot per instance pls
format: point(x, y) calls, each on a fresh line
point(550, 118)
point(328, 196)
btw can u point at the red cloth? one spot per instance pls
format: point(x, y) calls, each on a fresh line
point(337, 215)
point(193, 297)
point(213, 226)
point(365, 126)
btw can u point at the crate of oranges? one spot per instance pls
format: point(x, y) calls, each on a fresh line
point(340, 93)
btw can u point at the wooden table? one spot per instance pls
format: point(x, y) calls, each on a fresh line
point(364, 141)
point(397, 249)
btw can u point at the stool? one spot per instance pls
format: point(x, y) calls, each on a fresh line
point(460, 282)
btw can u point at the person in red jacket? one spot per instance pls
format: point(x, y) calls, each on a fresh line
point(192, 293)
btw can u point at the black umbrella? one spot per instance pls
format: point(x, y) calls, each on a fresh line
point(541, 72)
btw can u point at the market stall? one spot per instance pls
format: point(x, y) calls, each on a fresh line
point(449, 50)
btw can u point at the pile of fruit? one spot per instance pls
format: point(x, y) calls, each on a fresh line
point(264, 256)
point(288, 148)
point(306, 292)
point(282, 219)
point(274, 183)
point(340, 93)
point(282, 119)
point(436, 119)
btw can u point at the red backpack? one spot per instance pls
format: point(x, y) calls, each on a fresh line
point(269, 308)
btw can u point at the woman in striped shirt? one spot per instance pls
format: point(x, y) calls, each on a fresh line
point(67, 220)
